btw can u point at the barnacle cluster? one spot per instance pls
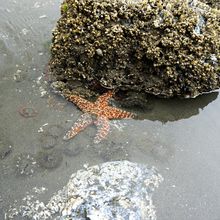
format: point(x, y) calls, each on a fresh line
point(212, 3)
point(163, 47)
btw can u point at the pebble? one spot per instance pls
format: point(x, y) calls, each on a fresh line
point(99, 52)
point(18, 76)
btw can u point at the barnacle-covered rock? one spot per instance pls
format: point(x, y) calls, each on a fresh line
point(113, 190)
point(163, 47)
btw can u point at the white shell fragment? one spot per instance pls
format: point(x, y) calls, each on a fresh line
point(119, 190)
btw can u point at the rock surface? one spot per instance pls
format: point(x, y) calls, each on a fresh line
point(113, 190)
point(212, 3)
point(162, 47)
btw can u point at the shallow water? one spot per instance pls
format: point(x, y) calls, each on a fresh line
point(179, 137)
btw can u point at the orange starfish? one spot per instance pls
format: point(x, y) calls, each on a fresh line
point(99, 108)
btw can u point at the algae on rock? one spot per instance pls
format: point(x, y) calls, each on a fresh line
point(162, 47)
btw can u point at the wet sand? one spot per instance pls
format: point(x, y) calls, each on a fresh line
point(179, 137)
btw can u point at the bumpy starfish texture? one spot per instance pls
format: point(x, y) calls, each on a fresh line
point(99, 108)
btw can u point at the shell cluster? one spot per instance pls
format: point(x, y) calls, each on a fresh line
point(113, 190)
point(163, 47)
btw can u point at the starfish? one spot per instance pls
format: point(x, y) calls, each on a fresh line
point(103, 112)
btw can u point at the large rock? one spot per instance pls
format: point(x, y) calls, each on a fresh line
point(116, 190)
point(163, 47)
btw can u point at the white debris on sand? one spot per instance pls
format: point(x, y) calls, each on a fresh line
point(41, 129)
point(113, 190)
point(43, 16)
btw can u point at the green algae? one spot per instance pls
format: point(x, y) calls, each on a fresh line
point(64, 8)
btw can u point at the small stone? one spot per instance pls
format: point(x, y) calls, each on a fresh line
point(99, 52)
point(25, 31)
point(18, 77)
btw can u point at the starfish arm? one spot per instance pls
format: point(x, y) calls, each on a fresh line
point(115, 113)
point(103, 128)
point(103, 99)
point(78, 126)
point(81, 103)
